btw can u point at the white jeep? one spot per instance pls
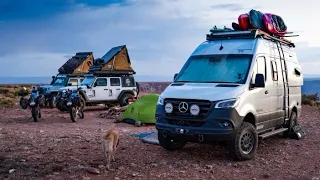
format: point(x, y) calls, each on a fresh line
point(104, 89)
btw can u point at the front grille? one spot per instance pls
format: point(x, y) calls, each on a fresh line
point(204, 105)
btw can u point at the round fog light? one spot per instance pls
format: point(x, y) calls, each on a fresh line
point(168, 108)
point(226, 124)
point(194, 109)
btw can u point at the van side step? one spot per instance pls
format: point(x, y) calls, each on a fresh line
point(271, 133)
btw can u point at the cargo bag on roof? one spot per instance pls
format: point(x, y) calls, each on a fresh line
point(80, 63)
point(244, 22)
point(256, 19)
point(274, 24)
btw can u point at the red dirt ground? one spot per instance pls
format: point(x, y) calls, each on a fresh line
point(56, 148)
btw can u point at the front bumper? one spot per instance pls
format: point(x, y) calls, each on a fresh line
point(218, 125)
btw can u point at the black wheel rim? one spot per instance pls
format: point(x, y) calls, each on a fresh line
point(246, 142)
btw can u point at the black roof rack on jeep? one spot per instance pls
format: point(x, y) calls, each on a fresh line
point(113, 73)
point(249, 34)
point(76, 75)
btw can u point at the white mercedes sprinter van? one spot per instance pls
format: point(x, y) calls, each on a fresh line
point(236, 87)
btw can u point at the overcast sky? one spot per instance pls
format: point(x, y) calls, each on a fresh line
point(37, 37)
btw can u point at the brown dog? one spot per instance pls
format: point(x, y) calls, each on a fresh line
point(110, 142)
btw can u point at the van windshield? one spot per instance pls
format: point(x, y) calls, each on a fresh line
point(216, 69)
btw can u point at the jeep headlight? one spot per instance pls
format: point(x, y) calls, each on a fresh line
point(230, 103)
point(160, 100)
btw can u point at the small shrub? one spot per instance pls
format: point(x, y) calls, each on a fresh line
point(310, 99)
point(6, 102)
point(306, 102)
point(10, 95)
point(21, 92)
point(313, 103)
point(4, 91)
point(313, 97)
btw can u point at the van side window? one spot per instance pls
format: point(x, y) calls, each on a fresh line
point(274, 70)
point(259, 68)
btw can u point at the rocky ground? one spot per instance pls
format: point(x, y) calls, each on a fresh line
point(56, 148)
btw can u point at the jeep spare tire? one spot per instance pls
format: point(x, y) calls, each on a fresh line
point(124, 100)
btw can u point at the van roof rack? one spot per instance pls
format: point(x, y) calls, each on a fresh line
point(249, 34)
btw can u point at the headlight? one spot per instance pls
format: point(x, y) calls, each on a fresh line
point(194, 109)
point(160, 101)
point(231, 103)
point(168, 108)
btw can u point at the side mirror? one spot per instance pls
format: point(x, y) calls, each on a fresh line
point(69, 84)
point(53, 77)
point(88, 86)
point(259, 81)
point(175, 75)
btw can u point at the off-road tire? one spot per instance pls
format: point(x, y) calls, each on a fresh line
point(168, 143)
point(80, 114)
point(23, 103)
point(73, 114)
point(84, 103)
point(35, 113)
point(293, 120)
point(52, 102)
point(138, 88)
point(59, 106)
point(247, 135)
point(124, 99)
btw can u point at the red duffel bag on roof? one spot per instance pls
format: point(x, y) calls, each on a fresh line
point(244, 22)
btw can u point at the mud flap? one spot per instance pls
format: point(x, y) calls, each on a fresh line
point(297, 132)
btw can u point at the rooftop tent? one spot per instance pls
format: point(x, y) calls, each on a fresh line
point(143, 109)
point(116, 59)
point(80, 63)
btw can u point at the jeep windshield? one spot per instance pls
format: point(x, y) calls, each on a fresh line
point(216, 69)
point(60, 81)
point(87, 81)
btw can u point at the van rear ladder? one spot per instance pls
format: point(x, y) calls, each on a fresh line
point(284, 73)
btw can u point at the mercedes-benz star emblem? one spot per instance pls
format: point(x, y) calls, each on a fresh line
point(183, 107)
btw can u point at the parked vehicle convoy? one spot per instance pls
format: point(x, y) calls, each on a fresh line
point(110, 81)
point(236, 87)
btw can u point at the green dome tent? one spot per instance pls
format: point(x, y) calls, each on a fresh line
point(143, 109)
